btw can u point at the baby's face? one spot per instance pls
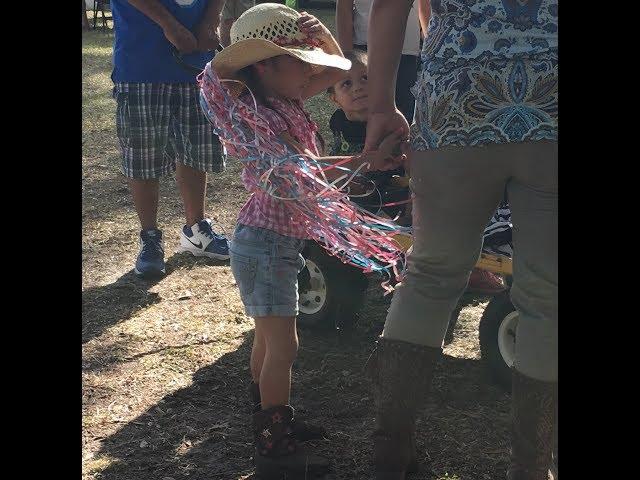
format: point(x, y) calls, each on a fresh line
point(352, 93)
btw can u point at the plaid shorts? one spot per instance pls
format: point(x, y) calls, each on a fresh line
point(159, 124)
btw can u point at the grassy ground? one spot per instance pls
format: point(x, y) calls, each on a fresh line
point(165, 364)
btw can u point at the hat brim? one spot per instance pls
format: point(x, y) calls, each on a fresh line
point(247, 52)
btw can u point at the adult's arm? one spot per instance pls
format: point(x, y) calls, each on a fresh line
point(344, 24)
point(387, 24)
point(175, 32)
point(424, 14)
point(207, 29)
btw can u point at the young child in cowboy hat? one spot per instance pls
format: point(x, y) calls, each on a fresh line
point(282, 57)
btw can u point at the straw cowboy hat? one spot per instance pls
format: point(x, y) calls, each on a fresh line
point(271, 29)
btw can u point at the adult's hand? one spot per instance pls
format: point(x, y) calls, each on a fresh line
point(382, 124)
point(389, 154)
point(207, 37)
point(181, 37)
point(174, 31)
point(387, 22)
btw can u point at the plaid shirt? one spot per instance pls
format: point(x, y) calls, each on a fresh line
point(262, 210)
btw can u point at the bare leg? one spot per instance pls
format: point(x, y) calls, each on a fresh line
point(145, 198)
point(257, 355)
point(281, 341)
point(193, 186)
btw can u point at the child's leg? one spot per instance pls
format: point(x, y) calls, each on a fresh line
point(276, 431)
point(257, 354)
point(281, 348)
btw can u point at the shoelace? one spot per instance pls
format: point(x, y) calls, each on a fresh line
point(207, 231)
point(210, 232)
point(151, 245)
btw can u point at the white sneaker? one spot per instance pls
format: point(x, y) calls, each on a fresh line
point(202, 241)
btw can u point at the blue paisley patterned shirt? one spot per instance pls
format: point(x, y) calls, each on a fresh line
point(489, 74)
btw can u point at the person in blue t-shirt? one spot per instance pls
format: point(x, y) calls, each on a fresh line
point(160, 125)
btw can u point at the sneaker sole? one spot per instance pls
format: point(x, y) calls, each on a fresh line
point(196, 252)
point(150, 275)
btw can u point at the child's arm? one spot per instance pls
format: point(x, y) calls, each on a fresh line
point(330, 76)
point(384, 155)
point(344, 24)
point(319, 83)
point(352, 164)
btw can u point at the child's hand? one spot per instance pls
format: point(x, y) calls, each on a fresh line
point(312, 26)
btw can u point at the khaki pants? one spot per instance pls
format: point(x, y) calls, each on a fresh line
point(456, 190)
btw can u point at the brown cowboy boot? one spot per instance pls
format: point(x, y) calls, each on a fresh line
point(413, 466)
point(302, 430)
point(401, 374)
point(533, 405)
point(278, 454)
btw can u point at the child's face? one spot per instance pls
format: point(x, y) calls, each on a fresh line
point(352, 93)
point(286, 76)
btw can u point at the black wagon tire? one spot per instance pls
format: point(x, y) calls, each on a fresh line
point(497, 332)
point(330, 292)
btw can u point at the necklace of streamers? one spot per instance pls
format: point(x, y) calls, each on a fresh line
point(344, 229)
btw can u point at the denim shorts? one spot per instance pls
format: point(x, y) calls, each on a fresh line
point(265, 266)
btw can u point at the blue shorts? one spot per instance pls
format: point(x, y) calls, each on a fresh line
point(265, 265)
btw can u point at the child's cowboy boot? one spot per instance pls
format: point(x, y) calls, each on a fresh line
point(401, 374)
point(302, 430)
point(533, 405)
point(277, 452)
point(254, 397)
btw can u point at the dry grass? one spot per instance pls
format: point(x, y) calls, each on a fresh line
point(165, 364)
